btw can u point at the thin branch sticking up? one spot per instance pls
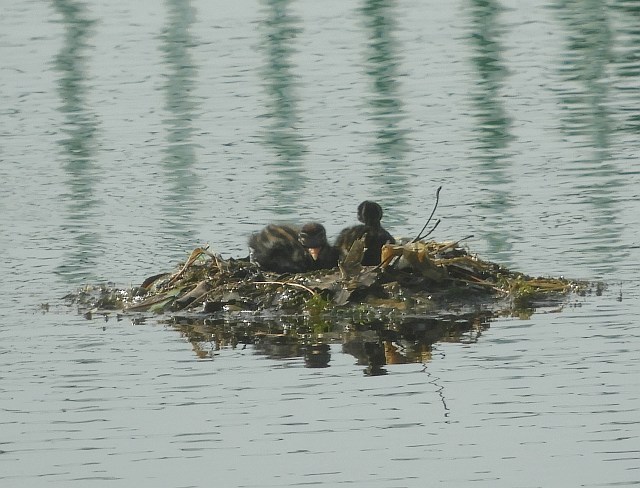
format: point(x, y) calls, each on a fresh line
point(419, 236)
point(428, 233)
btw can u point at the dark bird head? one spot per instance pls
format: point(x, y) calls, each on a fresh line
point(313, 238)
point(369, 213)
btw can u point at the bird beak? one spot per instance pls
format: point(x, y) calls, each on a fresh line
point(314, 252)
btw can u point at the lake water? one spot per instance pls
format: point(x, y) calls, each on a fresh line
point(132, 132)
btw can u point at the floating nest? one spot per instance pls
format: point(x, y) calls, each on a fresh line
point(423, 292)
point(414, 278)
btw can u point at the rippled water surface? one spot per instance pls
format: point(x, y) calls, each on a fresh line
point(132, 132)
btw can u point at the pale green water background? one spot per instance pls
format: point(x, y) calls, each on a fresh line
point(131, 132)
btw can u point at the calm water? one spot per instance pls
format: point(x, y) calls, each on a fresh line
point(132, 132)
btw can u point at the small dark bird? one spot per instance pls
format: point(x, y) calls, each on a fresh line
point(286, 249)
point(370, 214)
point(313, 237)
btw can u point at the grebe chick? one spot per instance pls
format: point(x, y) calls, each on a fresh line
point(285, 249)
point(313, 237)
point(370, 214)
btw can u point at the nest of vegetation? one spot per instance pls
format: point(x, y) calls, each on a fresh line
point(423, 292)
point(414, 278)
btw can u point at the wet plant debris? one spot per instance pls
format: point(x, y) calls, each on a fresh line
point(414, 278)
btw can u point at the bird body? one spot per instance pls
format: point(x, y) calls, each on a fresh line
point(288, 249)
point(370, 214)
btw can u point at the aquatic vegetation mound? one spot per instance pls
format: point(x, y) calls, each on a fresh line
point(423, 292)
point(414, 278)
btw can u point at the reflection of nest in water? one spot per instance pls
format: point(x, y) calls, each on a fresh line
point(374, 343)
point(424, 292)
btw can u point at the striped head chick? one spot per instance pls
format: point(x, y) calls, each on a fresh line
point(313, 238)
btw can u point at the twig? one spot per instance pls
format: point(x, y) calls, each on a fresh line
point(430, 216)
point(286, 283)
point(453, 244)
point(216, 257)
point(195, 254)
point(479, 281)
point(430, 231)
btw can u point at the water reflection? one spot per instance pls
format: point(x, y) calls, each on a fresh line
point(627, 66)
point(587, 55)
point(279, 30)
point(384, 101)
point(587, 121)
point(78, 144)
point(374, 343)
point(493, 128)
point(180, 156)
